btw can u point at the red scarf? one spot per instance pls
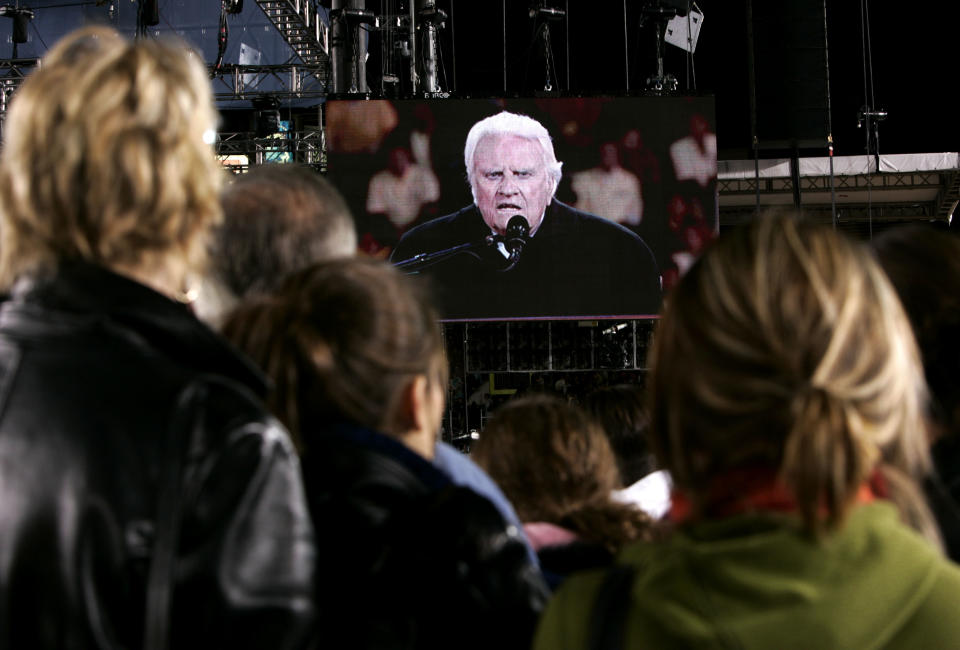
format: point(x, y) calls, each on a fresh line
point(751, 490)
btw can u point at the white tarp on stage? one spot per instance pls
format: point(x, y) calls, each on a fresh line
point(842, 165)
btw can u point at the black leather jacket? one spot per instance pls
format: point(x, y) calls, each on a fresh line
point(407, 559)
point(146, 498)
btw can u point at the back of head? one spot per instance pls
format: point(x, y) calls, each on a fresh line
point(785, 350)
point(340, 340)
point(555, 465)
point(622, 414)
point(107, 157)
point(279, 219)
point(923, 264)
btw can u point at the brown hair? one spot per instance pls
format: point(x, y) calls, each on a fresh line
point(340, 340)
point(621, 411)
point(555, 465)
point(279, 219)
point(785, 348)
point(105, 158)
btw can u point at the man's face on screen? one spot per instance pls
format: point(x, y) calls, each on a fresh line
point(510, 178)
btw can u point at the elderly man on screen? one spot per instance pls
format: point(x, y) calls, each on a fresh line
point(571, 264)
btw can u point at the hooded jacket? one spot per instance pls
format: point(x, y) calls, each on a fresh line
point(756, 581)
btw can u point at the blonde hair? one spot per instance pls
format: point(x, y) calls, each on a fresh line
point(785, 348)
point(106, 157)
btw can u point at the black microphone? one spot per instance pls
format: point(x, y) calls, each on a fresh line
point(515, 238)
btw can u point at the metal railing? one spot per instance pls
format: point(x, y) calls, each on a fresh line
point(300, 24)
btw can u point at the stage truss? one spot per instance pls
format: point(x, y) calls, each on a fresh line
point(909, 187)
point(289, 83)
point(238, 151)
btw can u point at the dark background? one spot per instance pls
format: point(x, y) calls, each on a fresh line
point(913, 51)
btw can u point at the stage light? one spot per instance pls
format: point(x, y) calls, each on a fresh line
point(150, 12)
point(21, 18)
point(266, 116)
point(684, 29)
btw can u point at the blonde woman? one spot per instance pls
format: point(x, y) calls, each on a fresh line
point(786, 401)
point(148, 499)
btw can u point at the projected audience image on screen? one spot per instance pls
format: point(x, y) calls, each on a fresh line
point(528, 208)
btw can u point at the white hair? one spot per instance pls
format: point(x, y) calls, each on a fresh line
point(505, 123)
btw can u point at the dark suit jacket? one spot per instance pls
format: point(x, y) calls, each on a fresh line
point(577, 264)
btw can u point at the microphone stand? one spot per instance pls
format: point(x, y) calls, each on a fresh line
point(514, 240)
point(423, 260)
point(512, 261)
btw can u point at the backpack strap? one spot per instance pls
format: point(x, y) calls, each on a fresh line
point(608, 618)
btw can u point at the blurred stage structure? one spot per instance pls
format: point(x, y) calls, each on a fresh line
point(906, 187)
point(299, 52)
point(303, 28)
point(12, 73)
point(274, 63)
point(304, 53)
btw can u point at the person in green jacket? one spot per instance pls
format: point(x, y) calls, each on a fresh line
point(787, 401)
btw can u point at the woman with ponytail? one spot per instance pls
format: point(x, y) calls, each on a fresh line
point(787, 401)
point(405, 559)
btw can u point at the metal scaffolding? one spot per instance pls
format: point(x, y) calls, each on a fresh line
point(12, 74)
point(237, 151)
point(299, 22)
point(283, 81)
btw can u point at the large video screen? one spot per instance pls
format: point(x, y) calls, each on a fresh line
point(531, 208)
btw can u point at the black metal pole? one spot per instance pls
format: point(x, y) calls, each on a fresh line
point(826, 57)
point(752, 80)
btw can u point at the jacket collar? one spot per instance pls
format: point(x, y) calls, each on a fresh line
point(89, 291)
point(393, 449)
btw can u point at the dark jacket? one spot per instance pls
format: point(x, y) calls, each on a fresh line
point(562, 552)
point(576, 264)
point(411, 560)
point(133, 452)
point(560, 562)
point(942, 488)
point(461, 470)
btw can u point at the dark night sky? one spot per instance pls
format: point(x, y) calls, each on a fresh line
point(912, 57)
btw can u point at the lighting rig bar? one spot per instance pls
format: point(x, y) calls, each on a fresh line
point(305, 147)
point(232, 81)
point(12, 74)
point(295, 81)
